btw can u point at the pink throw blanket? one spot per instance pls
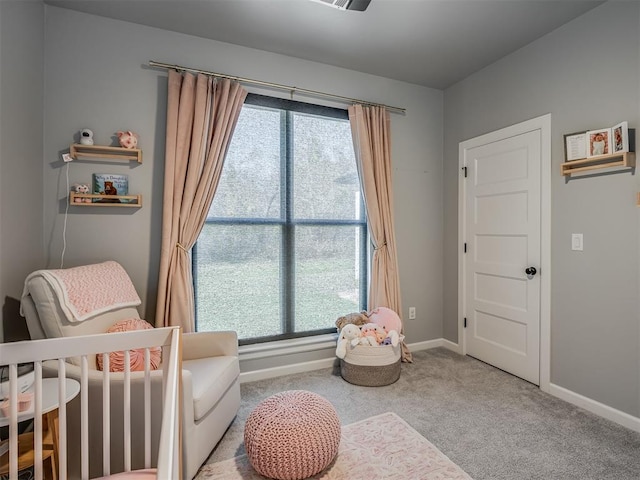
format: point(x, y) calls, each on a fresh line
point(87, 291)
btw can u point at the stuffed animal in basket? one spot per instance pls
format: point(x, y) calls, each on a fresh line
point(389, 321)
point(357, 318)
point(348, 334)
point(375, 333)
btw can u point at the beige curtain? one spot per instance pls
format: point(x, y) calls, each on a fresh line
point(202, 113)
point(371, 131)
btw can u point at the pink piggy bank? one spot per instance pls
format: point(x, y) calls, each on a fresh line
point(128, 139)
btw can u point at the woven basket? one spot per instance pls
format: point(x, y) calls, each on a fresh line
point(371, 366)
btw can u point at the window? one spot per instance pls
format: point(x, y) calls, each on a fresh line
point(283, 251)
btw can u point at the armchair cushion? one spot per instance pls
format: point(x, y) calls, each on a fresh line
point(208, 389)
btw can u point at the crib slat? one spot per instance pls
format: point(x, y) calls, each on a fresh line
point(84, 419)
point(106, 416)
point(127, 411)
point(147, 408)
point(13, 421)
point(62, 420)
point(37, 421)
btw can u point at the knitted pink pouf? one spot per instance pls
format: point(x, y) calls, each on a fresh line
point(292, 435)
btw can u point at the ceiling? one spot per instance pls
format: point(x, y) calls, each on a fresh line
point(434, 43)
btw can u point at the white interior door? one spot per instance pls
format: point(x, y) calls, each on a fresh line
point(502, 235)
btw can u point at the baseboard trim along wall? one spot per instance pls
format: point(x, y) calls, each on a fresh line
point(595, 407)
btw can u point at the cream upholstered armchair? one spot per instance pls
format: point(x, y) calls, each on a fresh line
point(210, 367)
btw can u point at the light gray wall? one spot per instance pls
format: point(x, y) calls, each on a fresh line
point(586, 74)
point(21, 100)
point(97, 78)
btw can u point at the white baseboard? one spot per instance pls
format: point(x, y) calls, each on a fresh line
point(449, 345)
point(438, 342)
point(273, 372)
point(595, 407)
point(426, 345)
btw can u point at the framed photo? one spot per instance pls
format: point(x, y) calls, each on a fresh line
point(598, 142)
point(620, 138)
point(575, 146)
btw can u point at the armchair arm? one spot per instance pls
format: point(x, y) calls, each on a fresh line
point(209, 344)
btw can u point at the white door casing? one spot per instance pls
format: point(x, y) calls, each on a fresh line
point(504, 228)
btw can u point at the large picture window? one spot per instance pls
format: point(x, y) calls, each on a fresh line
point(283, 251)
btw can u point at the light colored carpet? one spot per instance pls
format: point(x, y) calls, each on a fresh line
point(384, 446)
point(493, 425)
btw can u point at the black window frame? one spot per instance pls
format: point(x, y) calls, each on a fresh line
point(288, 223)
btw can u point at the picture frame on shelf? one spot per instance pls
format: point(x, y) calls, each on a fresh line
point(575, 146)
point(598, 142)
point(620, 138)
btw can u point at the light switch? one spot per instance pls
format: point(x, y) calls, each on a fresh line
point(576, 242)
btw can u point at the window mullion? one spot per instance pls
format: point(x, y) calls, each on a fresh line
point(288, 244)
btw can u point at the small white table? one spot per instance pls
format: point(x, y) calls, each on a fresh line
point(50, 404)
point(49, 398)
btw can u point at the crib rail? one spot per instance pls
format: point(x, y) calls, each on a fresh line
point(47, 402)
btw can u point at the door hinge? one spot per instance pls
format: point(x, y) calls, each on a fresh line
point(465, 322)
point(465, 247)
point(464, 169)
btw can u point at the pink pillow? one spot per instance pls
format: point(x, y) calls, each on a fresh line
point(386, 318)
point(136, 357)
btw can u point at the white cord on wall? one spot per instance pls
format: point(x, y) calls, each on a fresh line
point(64, 228)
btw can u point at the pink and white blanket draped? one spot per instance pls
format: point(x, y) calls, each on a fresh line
point(86, 291)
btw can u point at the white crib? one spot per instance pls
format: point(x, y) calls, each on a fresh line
point(44, 407)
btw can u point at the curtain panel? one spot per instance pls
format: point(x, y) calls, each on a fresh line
point(371, 131)
point(202, 113)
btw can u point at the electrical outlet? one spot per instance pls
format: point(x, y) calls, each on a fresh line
point(412, 313)
point(66, 157)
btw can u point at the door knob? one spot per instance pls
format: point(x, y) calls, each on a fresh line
point(531, 271)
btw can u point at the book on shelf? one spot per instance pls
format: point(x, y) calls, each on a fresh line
point(110, 184)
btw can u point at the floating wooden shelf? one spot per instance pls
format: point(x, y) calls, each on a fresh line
point(130, 201)
point(88, 152)
point(623, 160)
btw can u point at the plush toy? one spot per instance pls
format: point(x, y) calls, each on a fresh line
point(386, 318)
point(347, 335)
point(389, 321)
point(86, 137)
point(127, 139)
point(374, 331)
point(83, 189)
point(367, 340)
point(392, 338)
point(357, 319)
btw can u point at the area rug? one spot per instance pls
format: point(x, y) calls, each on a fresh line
point(380, 447)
